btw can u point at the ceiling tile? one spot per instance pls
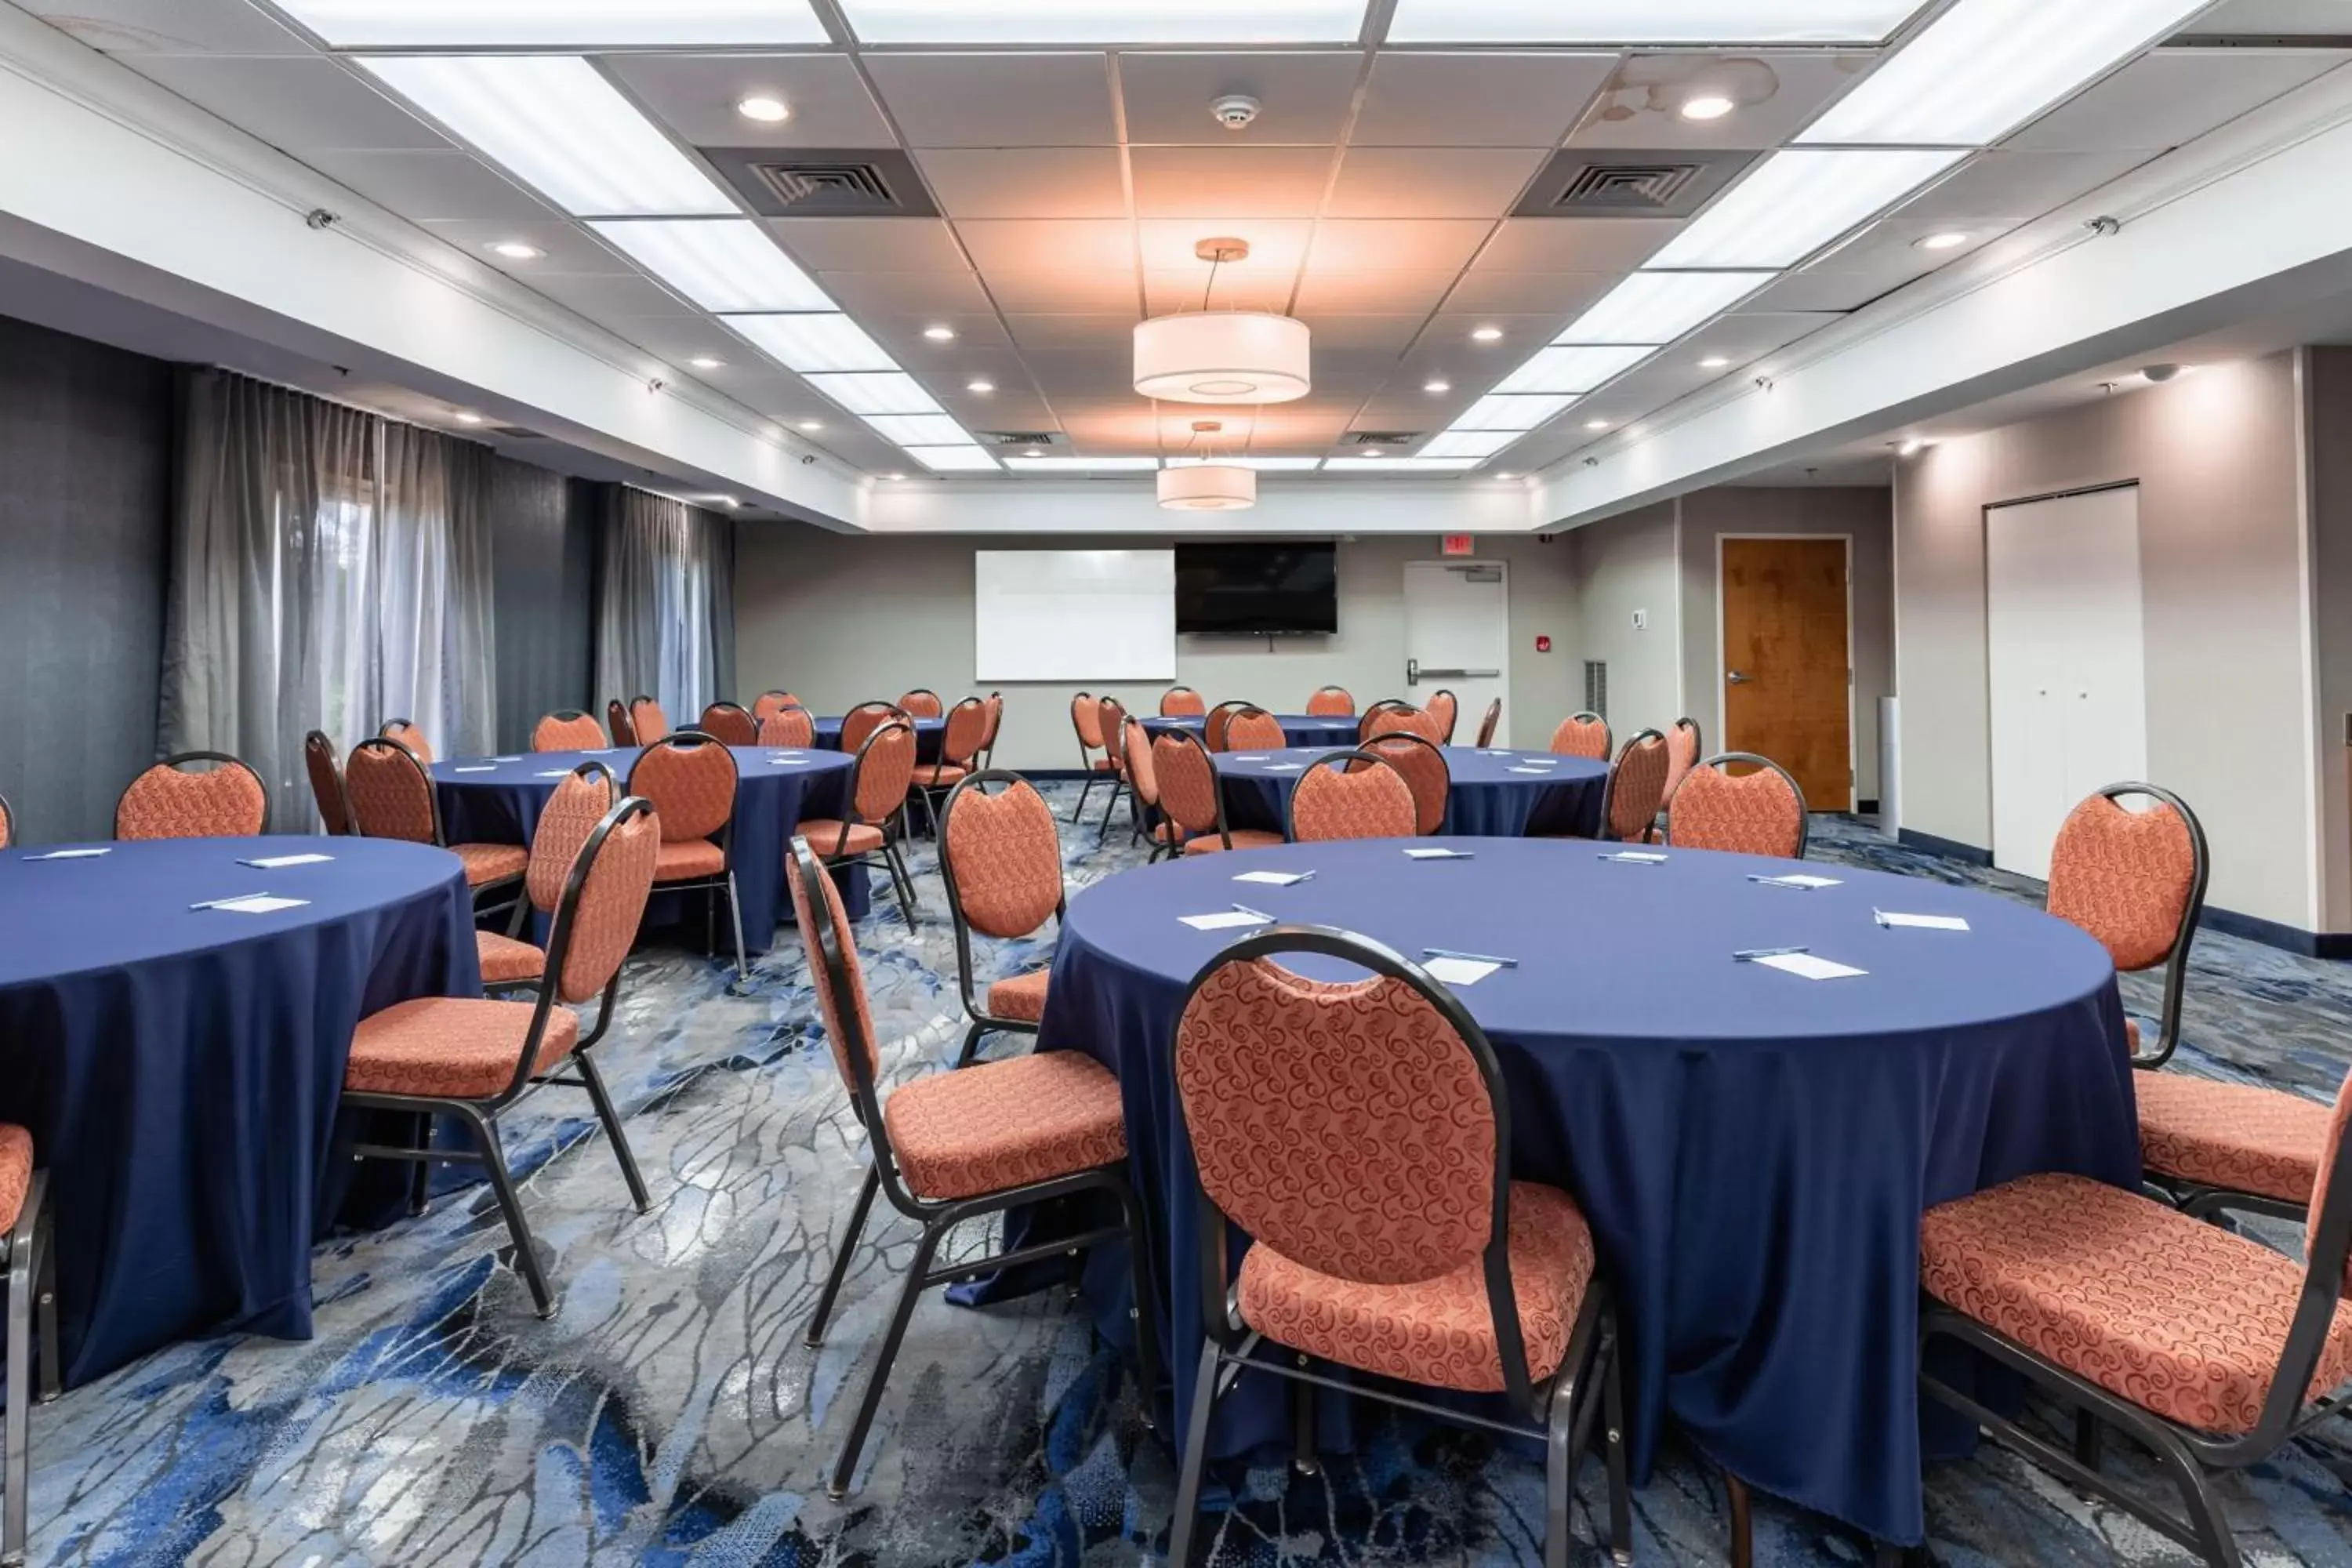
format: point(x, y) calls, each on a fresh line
point(1050, 332)
point(424, 186)
point(2270, 17)
point(1302, 98)
point(299, 106)
point(1392, 334)
point(565, 245)
point(1000, 246)
point(1405, 244)
point(1027, 182)
point(1025, 292)
point(601, 298)
point(1278, 246)
point(1235, 290)
point(1476, 98)
point(2164, 99)
point(1093, 371)
point(696, 95)
point(1824, 292)
point(903, 336)
point(1371, 293)
point(1449, 330)
point(997, 100)
point(1747, 336)
point(1273, 182)
point(2001, 189)
point(876, 244)
point(1576, 244)
point(1774, 95)
point(171, 27)
point(1530, 293)
point(1431, 182)
point(908, 294)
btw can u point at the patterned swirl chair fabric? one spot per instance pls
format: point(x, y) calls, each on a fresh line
point(731, 723)
point(1682, 752)
point(1188, 785)
point(170, 801)
point(326, 782)
point(565, 823)
point(885, 772)
point(1371, 802)
point(647, 719)
point(2229, 1137)
point(1582, 736)
point(567, 731)
point(1423, 767)
point(616, 719)
point(1445, 708)
point(1215, 729)
point(769, 703)
point(410, 736)
point(995, 722)
point(1255, 729)
point(1637, 787)
point(1488, 725)
point(960, 742)
point(860, 722)
point(1006, 855)
point(1332, 702)
point(1135, 760)
point(790, 728)
point(1112, 721)
point(1085, 717)
point(1761, 813)
point(691, 784)
point(1182, 702)
point(1406, 722)
point(390, 796)
point(922, 703)
point(2126, 876)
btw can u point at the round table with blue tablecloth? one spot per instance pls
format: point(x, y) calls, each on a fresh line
point(180, 1068)
point(1493, 795)
point(1753, 1148)
point(929, 734)
point(497, 800)
point(1325, 731)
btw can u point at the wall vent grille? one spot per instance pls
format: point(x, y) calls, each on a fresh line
point(1596, 687)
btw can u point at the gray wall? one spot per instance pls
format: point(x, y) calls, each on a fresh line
point(85, 519)
point(841, 619)
point(2222, 539)
point(544, 554)
point(1626, 564)
point(2328, 383)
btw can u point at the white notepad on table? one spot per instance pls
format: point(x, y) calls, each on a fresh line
point(1274, 878)
point(1438, 855)
point(1226, 920)
point(276, 862)
point(1797, 879)
point(481, 768)
point(1921, 922)
point(1805, 966)
point(70, 854)
point(1459, 971)
point(258, 904)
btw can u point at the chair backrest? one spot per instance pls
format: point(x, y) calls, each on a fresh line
point(1398, 718)
point(1085, 717)
point(2327, 1279)
point(1582, 736)
point(1422, 766)
point(391, 793)
point(1111, 718)
point(604, 902)
point(1761, 813)
point(860, 722)
point(1135, 757)
point(1182, 702)
point(966, 732)
point(995, 724)
point(690, 779)
point(790, 727)
point(567, 730)
point(326, 782)
point(1352, 794)
point(2134, 880)
point(576, 806)
point(836, 977)
point(886, 767)
point(1636, 788)
point(408, 735)
point(1332, 702)
point(770, 702)
point(1446, 708)
point(1486, 726)
point(168, 801)
point(616, 719)
point(1254, 730)
point(922, 703)
point(1684, 749)
point(732, 722)
point(7, 823)
point(647, 718)
point(1216, 730)
point(1001, 856)
point(1187, 778)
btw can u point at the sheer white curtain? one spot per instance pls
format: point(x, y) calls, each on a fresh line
point(666, 604)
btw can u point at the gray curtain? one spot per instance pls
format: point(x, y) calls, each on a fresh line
point(330, 570)
point(544, 533)
point(666, 604)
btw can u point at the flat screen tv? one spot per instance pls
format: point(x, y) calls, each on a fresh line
point(1257, 590)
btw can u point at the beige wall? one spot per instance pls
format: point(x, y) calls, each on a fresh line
point(840, 619)
point(1623, 565)
point(2222, 560)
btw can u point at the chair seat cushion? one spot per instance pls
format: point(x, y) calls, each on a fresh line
point(689, 860)
point(1243, 838)
point(823, 834)
point(504, 960)
point(1005, 1124)
point(940, 776)
point(449, 1048)
point(16, 1173)
point(1438, 1331)
point(488, 863)
point(2181, 1318)
point(2231, 1135)
point(1021, 998)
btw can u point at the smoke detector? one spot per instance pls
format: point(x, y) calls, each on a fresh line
point(1236, 110)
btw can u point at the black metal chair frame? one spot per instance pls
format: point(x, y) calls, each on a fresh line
point(618, 721)
point(902, 881)
point(1446, 770)
point(938, 1218)
point(1347, 762)
point(181, 759)
point(2176, 962)
point(932, 793)
point(480, 1117)
point(1086, 754)
point(1608, 787)
point(1216, 792)
point(709, 887)
point(317, 748)
point(983, 1022)
point(440, 833)
point(1212, 732)
point(591, 768)
point(1486, 725)
point(1561, 1411)
point(1173, 692)
point(32, 1264)
point(995, 722)
point(723, 706)
point(1804, 817)
point(889, 711)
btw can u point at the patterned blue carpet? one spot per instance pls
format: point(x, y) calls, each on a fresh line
point(670, 1414)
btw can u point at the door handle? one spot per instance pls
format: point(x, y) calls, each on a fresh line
point(1413, 672)
point(1735, 678)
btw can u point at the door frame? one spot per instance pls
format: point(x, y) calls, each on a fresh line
point(1461, 563)
point(1723, 685)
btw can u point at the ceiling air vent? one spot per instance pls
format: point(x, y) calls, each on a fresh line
point(804, 181)
point(1651, 186)
point(1580, 182)
point(1018, 437)
point(1383, 438)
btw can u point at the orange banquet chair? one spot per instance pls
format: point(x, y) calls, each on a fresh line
point(1684, 749)
point(7, 823)
point(1111, 719)
point(326, 784)
point(392, 798)
point(1254, 730)
point(410, 736)
point(567, 730)
point(1085, 717)
point(1761, 813)
point(861, 722)
point(1352, 794)
point(471, 1058)
point(690, 779)
point(1192, 803)
point(1385, 1233)
point(1486, 725)
point(616, 716)
point(922, 703)
point(959, 1144)
point(647, 721)
point(565, 824)
point(732, 722)
point(1219, 719)
point(1401, 718)
point(959, 744)
point(790, 728)
point(1636, 788)
point(995, 724)
point(1582, 736)
point(1001, 857)
point(1446, 708)
point(1182, 702)
point(31, 1261)
point(1421, 764)
point(1332, 702)
point(1143, 783)
point(170, 801)
point(878, 782)
point(769, 703)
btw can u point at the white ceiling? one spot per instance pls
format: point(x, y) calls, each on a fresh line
point(1073, 184)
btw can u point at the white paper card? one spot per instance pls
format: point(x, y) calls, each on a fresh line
point(484, 768)
point(70, 854)
point(1799, 879)
point(1459, 971)
point(506, 759)
point(260, 904)
point(1923, 922)
point(1286, 767)
point(1224, 921)
point(1636, 857)
point(1436, 855)
point(1806, 966)
point(273, 862)
point(789, 761)
point(1258, 757)
point(1544, 771)
point(556, 773)
point(1540, 762)
point(1273, 879)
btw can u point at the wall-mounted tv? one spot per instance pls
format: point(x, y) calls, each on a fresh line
point(1257, 590)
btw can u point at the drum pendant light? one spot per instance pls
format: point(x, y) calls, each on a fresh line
point(1222, 356)
point(1209, 485)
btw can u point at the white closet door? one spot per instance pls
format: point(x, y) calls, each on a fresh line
point(2067, 662)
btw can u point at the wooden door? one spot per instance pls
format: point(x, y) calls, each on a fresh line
point(1787, 664)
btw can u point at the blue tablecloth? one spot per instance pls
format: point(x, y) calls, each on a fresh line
point(497, 800)
point(928, 735)
point(1317, 730)
point(1754, 1149)
point(1488, 799)
point(180, 1070)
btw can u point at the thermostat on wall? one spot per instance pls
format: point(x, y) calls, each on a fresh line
point(1640, 620)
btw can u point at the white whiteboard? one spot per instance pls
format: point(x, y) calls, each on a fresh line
point(1074, 614)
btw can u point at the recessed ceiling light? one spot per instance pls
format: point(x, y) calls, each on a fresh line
point(1437, 386)
point(1573, 369)
point(1796, 202)
point(1596, 424)
point(1614, 22)
point(1375, 452)
point(939, 334)
point(1714, 362)
point(894, 476)
point(1943, 241)
point(1506, 476)
point(707, 361)
point(806, 343)
point(728, 264)
point(515, 250)
point(812, 424)
point(765, 110)
point(1487, 335)
point(1909, 447)
point(467, 416)
point(581, 24)
point(1035, 452)
point(982, 387)
point(1706, 106)
point(1107, 22)
point(1653, 308)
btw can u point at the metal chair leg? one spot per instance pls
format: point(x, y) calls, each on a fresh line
point(420, 1174)
point(2086, 1439)
point(1141, 1277)
point(494, 1162)
point(844, 1468)
point(1303, 1457)
point(906, 884)
point(1613, 1415)
point(1743, 1522)
point(1563, 1457)
point(1196, 1458)
point(1078, 811)
point(13, 1509)
point(971, 1039)
point(842, 1256)
point(45, 1287)
point(614, 1132)
point(735, 907)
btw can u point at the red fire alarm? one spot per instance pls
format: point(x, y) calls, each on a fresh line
point(1543, 645)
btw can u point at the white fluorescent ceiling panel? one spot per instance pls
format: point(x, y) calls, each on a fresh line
point(1468, 443)
point(814, 344)
point(1795, 203)
point(954, 460)
point(1574, 369)
point(1258, 465)
point(892, 393)
point(1081, 465)
point(1614, 22)
point(552, 123)
point(721, 265)
point(1985, 66)
point(1398, 465)
point(1106, 21)
point(556, 24)
point(918, 429)
point(1656, 307)
point(1497, 412)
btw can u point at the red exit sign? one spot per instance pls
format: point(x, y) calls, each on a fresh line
point(1456, 543)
